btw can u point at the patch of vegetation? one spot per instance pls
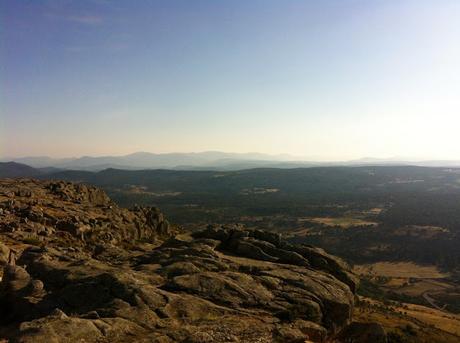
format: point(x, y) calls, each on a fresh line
point(404, 298)
point(33, 240)
point(409, 330)
point(370, 290)
point(395, 337)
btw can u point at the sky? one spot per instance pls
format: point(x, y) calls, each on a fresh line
point(326, 80)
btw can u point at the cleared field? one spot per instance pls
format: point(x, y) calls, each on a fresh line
point(344, 222)
point(412, 280)
point(375, 210)
point(421, 231)
point(143, 190)
point(422, 286)
point(400, 270)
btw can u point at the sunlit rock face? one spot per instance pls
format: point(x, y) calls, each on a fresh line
point(76, 267)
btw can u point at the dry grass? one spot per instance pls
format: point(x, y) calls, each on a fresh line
point(343, 222)
point(440, 319)
point(430, 324)
point(422, 286)
point(376, 210)
point(400, 270)
point(303, 232)
point(135, 189)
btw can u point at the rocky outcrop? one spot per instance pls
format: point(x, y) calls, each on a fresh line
point(74, 215)
point(79, 193)
point(106, 274)
point(268, 246)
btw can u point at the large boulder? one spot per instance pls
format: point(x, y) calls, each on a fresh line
point(268, 246)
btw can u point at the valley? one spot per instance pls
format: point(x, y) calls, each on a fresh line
point(375, 213)
point(399, 227)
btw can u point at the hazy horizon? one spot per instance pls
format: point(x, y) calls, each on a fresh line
point(329, 81)
point(282, 157)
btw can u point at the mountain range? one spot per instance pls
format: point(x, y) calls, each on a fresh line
point(209, 160)
point(145, 160)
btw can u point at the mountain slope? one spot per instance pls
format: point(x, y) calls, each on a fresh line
point(13, 169)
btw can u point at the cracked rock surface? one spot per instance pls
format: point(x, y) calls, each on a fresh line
point(85, 270)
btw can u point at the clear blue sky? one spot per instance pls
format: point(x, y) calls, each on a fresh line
point(323, 79)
